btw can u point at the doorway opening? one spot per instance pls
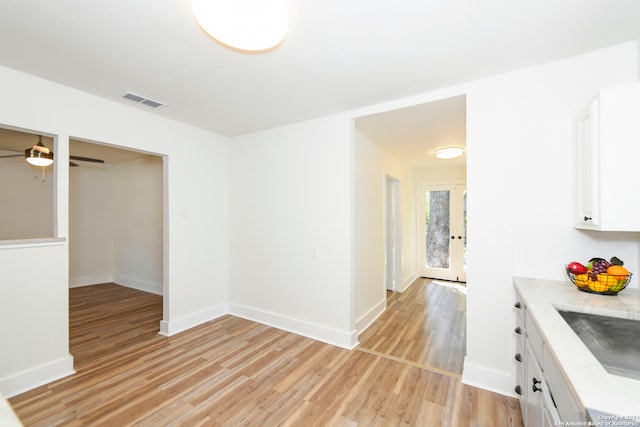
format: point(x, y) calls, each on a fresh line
point(116, 218)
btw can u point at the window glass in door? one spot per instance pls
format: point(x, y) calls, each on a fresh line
point(437, 217)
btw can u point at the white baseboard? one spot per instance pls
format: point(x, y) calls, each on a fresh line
point(367, 320)
point(488, 379)
point(35, 377)
point(347, 340)
point(76, 282)
point(172, 327)
point(409, 281)
point(141, 285)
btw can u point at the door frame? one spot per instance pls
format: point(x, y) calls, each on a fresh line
point(392, 233)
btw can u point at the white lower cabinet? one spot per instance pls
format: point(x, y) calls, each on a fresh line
point(563, 395)
point(541, 410)
point(545, 397)
point(534, 389)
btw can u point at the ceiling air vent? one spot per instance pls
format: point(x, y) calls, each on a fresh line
point(142, 100)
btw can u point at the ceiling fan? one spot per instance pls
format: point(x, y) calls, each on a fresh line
point(39, 155)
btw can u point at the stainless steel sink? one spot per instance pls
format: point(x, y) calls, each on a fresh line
point(613, 341)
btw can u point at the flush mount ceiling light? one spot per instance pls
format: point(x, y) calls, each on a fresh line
point(246, 25)
point(448, 153)
point(39, 155)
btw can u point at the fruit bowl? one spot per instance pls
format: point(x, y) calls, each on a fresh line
point(605, 284)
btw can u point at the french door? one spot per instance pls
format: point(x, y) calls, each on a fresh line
point(442, 231)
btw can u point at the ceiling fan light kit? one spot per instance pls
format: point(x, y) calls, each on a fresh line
point(245, 25)
point(39, 155)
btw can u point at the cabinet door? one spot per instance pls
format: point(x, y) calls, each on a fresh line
point(618, 129)
point(534, 393)
point(606, 153)
point(567, 405)
point(549, 411)
point(548, 420)
point(587, 213)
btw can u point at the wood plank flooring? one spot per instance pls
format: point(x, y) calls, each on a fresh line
point(234, 372)
point(424, 325)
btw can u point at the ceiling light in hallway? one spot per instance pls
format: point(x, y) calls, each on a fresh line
point(246, 25)
point(448, 153)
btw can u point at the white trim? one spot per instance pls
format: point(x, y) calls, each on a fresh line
point(76, 282)
point(35, 377)
point(409, 281)
point(392, 200)
point(488, 379)
point(172, 327)
point(371, 316)
point(348, 340)
point(32, 243)
point(141, 285)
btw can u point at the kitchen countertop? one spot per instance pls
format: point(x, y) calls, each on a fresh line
point(600, 393)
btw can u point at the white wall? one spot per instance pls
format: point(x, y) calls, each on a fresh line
point(372, 165)
point(519, 136)
point(26, 202)
point(137, 249)
point(290, 229)
point(33, 301)
point(91, 225)
point(440, 175)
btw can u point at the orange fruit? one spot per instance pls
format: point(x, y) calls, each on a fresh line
point(618, 271)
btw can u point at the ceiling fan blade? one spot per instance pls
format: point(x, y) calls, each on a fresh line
point(11, 155)
point(86, 159)
point(73, 165)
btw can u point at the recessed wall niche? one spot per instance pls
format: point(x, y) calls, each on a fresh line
point(27, 196)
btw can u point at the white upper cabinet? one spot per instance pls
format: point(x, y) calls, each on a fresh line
point(607, 162)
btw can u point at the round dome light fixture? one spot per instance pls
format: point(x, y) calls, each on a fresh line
point(448, 153)
point(245, 25)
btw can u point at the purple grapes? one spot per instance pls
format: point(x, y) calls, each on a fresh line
point(599, 266)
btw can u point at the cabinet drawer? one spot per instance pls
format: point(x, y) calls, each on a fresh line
point(535, 339)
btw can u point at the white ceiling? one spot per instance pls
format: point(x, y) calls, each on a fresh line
point(412, 134)
point(339, 55)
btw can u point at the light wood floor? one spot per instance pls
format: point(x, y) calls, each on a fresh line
point(425, 325)
point(232, 372)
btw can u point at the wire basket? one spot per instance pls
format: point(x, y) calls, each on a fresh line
point(605, 284)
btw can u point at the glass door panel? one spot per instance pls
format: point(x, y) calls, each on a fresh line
point(464, 232)
point(442, 231)
point(437, 217)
